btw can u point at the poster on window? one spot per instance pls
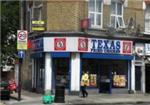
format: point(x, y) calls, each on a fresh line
point(93, 80)
point(119, 80)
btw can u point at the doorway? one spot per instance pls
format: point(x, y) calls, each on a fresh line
point(138, 74)
point(105, 79)
point(61, 71)
point(147, 74)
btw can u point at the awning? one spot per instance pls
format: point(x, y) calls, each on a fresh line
point(107, 56)
point(60, 54)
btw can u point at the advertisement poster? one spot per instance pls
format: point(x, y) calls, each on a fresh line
point(93, 80)
point(119, 81)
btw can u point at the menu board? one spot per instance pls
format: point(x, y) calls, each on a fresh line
point(93, 80)
point(119, 80)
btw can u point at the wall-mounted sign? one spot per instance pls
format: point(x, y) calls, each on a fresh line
point(83, 44)
point(22, 36)
point(93, 45)
point(147, 49)
point(38, 25)
point(37, 45)
point(60, 44)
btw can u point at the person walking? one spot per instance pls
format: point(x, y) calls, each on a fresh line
point(84, 84)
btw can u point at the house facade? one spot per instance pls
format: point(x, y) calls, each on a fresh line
point(109, 39)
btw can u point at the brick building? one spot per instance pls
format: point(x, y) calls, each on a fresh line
point(108, 38)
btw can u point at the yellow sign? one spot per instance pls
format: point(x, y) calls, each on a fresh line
point(38, 25)
point(119, 80)
point(38, 28)
point(22, 46)
point(38, 22)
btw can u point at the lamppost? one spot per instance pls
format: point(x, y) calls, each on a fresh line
point(20, 59)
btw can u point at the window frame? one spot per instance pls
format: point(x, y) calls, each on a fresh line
point(95, 13)
point(147, 29)
point(117, 16)
point(39, 7)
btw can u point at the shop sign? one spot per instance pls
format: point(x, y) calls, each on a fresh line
point(105, 46)
point(82, 44)
point(37, 45)
point(60, 44)
point(38, 25)
point(147, 49)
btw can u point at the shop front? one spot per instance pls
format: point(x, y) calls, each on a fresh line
point(108, 63)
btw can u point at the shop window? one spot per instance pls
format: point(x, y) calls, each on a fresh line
point(95, 13)
point(116, 17)
point(119, 76)
point(40, 72)
point(147, 19)
point(90, 67)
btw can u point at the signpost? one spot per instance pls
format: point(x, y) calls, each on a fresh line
point(22, 38)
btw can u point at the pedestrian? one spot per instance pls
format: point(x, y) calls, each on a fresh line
point(84, 84)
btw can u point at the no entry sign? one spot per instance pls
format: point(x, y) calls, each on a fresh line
point(22, 36)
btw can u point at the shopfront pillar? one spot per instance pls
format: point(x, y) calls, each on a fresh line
point(75, 72)
point(143, 77)
point(48, 73)
point(133, 75)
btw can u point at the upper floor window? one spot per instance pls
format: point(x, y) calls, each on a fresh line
point(29, 16)
point(95, 13)
point(147, 19)
point(37, 10)
point(116, 17)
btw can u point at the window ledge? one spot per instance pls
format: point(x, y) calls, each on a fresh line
point(146, 33)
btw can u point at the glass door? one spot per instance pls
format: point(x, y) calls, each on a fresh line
point(105, 79)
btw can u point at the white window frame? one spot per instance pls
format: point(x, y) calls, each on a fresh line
point(117, 16)
point(147, 27)
point(40, 9)
point(96, 13)
point(30, 10)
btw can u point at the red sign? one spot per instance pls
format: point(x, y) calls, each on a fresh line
point(127, 47)
point(60, 43)
point(83, 44)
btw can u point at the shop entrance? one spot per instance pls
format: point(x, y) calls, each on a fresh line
point(147, 74)
point(138, 74)
point(105, 79)
point(61, 71)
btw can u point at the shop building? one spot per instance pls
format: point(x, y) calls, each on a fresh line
point(98, 36)
point(107, 61)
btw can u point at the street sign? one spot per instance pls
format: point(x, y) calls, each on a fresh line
point(21, 54)
point(22, 36)
point(38, 25)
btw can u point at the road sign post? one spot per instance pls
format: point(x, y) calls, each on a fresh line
point(22, 36)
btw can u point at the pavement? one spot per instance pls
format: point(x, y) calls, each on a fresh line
point(30, 98)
